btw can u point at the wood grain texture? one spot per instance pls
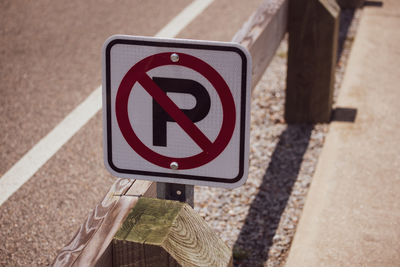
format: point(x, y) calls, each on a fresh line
point(91, 244)
point(201, 246)
point(313, 37)
point(112, 224)
point(262, 34)
point(138, 241)
point(157, 232)
point(68, 255)
point(142, 188)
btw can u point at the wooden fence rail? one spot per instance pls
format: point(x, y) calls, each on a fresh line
point(91, 245)
point(261, 35)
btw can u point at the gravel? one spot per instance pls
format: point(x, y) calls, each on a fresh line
point(259, 219)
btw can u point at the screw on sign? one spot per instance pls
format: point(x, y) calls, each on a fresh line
point(214, 75)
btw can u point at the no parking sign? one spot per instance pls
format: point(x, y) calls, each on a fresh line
point(176, 111)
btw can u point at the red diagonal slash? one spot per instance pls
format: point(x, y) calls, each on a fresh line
point(172, 109)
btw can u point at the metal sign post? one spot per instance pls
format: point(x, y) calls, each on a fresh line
point(179, 192)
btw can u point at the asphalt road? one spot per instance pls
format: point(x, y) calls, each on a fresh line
point(50, 61)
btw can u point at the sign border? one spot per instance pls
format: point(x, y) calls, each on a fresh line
point(174, 43)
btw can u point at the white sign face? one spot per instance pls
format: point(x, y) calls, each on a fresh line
point(176, 111)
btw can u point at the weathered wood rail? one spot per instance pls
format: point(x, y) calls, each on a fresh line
point(263, 33)
point(313, 27)
point(91, 245)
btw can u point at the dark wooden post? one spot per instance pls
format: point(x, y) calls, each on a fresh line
point(167, 233)
point(313, 37)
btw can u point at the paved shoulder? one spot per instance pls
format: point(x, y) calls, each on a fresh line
point(352, 214)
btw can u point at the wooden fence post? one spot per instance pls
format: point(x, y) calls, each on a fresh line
point(167, 233)
point(313, 37)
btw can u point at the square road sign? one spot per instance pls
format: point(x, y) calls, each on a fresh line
point(176, 111)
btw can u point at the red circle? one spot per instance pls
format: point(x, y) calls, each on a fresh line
point(137, 72)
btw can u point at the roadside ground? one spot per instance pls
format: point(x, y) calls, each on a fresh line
point(352, 213)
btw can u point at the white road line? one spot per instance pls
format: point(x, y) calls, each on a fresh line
point(183, 19)
point(40, 153)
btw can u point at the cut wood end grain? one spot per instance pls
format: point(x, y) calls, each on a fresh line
point(168, 231)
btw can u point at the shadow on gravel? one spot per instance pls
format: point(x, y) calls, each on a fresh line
point(265, 211)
